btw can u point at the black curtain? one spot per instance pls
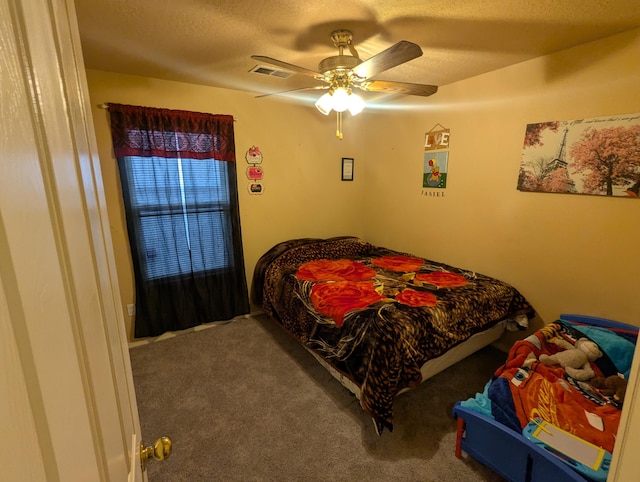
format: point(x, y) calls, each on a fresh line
point(179, 187)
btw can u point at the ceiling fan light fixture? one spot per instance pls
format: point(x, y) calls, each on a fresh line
point(356, 104)
point(340, 99)
point(325, 103)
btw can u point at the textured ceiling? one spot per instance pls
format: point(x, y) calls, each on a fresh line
point(210, 42)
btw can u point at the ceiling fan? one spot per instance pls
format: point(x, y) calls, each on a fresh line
point(342, 74)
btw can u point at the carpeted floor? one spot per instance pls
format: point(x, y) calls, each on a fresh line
point(243, 401)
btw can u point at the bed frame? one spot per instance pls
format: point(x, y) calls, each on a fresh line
point(508, 452)
point(435, 365)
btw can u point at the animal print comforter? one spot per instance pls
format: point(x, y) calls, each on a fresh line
point(375, 314)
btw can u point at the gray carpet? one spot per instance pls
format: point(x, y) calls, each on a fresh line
point(244, 402)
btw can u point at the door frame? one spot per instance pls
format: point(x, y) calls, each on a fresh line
point(72, 411)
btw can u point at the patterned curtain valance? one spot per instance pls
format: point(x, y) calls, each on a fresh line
point(147, 132)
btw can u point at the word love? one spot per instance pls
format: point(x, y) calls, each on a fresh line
point(436, 140)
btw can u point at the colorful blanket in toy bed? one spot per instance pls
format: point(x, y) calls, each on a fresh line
point(525, 388)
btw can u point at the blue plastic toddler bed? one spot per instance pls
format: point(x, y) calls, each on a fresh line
point(551, 412)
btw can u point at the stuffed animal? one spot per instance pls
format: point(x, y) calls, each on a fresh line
point(574, 359)
point(613, 386)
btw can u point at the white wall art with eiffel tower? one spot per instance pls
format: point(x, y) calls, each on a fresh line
point(597, 156)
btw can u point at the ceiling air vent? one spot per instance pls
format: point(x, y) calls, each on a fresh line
point(261, 69)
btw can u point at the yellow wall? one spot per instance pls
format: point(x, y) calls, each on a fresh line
point(303, 192)
point(565, 253)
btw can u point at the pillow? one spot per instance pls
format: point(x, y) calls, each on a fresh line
point(618, 349)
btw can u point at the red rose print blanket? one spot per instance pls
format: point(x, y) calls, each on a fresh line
point(374, 314)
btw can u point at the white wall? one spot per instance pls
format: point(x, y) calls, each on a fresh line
point(565, 253)
point(303, 196)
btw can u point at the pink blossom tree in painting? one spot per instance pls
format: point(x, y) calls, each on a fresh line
point(606, 158)
point(533, 134)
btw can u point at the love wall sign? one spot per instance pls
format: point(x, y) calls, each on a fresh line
point(436, 163)
point(436, 140)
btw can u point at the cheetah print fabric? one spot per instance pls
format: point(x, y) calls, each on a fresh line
point(375, 314)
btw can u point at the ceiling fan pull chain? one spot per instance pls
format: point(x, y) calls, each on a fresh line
point(339, 126)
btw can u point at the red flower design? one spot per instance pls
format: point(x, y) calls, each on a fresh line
point(442, 279)
point(416, 298)
point(335, 299)
point(398, 263)
point(335, 270)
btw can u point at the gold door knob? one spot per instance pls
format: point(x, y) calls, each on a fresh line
point(160, 450)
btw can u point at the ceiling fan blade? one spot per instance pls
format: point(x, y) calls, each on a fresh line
point(287, 66)
point(398, 87)
point(395, 55)
point(319, 87)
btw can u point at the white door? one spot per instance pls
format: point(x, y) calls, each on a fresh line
point(67, 404)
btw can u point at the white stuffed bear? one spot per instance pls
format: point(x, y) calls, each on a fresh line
point(575, 360)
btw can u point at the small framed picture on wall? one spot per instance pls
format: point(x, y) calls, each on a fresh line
point(347, 169)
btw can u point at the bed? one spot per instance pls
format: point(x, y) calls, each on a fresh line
point(379, 320)
point(502, 426)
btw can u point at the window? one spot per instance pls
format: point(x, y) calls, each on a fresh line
point(179, 187)
point(183, 210)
